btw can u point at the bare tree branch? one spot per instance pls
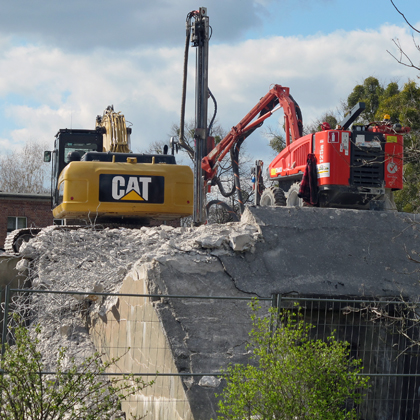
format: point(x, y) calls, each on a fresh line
point(24, 171)
point(402, 14)
point(403, 55)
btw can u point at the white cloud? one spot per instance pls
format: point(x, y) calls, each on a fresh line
point(320, 70)
point(44, 89)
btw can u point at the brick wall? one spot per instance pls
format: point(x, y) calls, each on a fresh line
point(36, 209)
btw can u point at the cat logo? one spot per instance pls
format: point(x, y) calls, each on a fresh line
point(132, 189)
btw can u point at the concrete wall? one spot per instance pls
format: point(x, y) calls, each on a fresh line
point(304, 252)
point(132, 323)
point(10, 276)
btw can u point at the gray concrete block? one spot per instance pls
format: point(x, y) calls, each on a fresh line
point(311, 252)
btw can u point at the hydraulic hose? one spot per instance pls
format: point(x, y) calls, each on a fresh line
point(184, 90)
point(216, 181)
point(225, 206)
point(234, 154)
point(299, 116)
point(215, 112)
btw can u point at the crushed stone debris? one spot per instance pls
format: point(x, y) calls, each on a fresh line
point(78, 260)
point(93, 260)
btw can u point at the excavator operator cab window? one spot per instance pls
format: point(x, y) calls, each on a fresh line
point(71, 150)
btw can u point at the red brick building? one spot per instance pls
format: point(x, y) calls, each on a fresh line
point(23, 210)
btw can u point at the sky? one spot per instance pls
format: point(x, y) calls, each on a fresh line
point(63, 63)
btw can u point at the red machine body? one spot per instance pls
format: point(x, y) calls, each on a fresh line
point(356, 168)
point(353, 167)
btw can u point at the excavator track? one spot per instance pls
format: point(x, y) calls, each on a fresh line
point(16, 238)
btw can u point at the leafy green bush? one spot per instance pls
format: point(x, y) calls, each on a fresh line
point(78, 391)
point(295, 377)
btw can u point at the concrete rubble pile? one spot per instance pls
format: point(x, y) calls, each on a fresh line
point(95, 260)
point(307, 252)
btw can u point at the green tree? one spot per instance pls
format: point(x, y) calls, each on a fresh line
point(294, 376)
point(77, 391)
point(330, 117)
point(277, 143)
point(370, 93)
point(276, 139)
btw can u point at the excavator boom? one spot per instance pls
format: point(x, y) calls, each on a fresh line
point(278, 97)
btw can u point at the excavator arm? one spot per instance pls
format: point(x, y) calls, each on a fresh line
point(116, 134)
point(278, 97)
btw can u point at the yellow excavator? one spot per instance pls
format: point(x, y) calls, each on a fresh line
point(97, 180)
point(96, 177)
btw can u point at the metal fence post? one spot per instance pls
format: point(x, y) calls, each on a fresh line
point(5, 316)
point(275, 304)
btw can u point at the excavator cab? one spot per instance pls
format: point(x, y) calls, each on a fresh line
point(69, 143)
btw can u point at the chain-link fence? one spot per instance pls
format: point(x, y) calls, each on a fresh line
point(164, 338)
point(183, 342)
point(384, 335)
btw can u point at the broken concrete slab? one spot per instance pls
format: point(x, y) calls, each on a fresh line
point(310, 252)
point(330, 252)
point(241, 242)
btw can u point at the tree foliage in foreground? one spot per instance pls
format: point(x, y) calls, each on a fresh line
point(294, 377)
point(76, 392)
